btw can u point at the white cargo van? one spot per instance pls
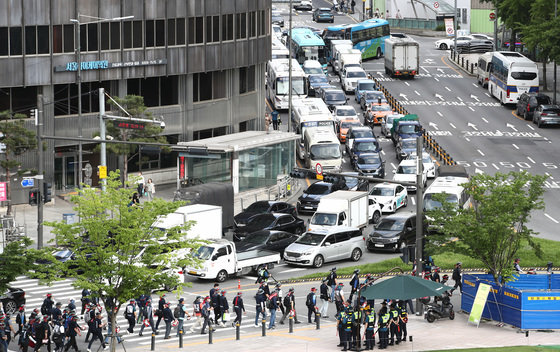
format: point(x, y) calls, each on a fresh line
point(322, 146)
point(451, 187)
point(401, 56)
point(483, 68)
point(207, 221)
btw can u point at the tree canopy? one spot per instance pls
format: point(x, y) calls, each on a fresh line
point(493, 229)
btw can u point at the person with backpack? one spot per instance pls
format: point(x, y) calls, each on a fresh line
point(206, 311)
point(72, 331)
point(159, 311)
point(215, 301)
point(260, 300)
point(383, 326)
point(141, 307)
point(85, 300)
point(324, 295)
point(354, 284)
point(89, 318)
point(347, 320)
point(8, 329)
point(331, 281)
point(393, 323)
point(224, 308)
point(403, 319)
point(238, 307)
point(179, 314)
point(197, 312)
point(21, 320)
point(97, 331)
point(272, 308)
point(130, 315)
point(148, 317)
point(290, 304)
point(58, 335)
point(168, 318)
point(339, 297)
point(311, 303)
point(47, 305)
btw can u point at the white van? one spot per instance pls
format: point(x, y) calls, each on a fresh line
point(483, 68)
point(451, 186)
point(322, 147)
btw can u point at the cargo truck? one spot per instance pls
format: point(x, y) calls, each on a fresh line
point(402, 56)
point(207, 221)
point(405, 127)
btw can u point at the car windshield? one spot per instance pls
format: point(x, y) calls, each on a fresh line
point(318, 79)
point(324, 219)
point(381, 108)
point(366, 86)
point(335, 96)
point(282, 85)
point(324, 151)
point(356, 74)
point(408, 144)
point(524, 76)
point(345, 112)
point(432, 204)
point(323, 11)
point(261, 221)
point(365, 147)
point(552, 111)
point(391, 224)
point(203, 252)
point(389, 120)
point(317, 189)
point(408, 170)
point(410, 129)
point(348, 124)
point(369, 159)
point(383, 191)
point(362, 134)
point(374, 95)
point(351, 182)
point(257, 207)
point(311, 239)
point(257, 238)
point(313, 70)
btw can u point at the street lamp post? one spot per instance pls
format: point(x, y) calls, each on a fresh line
point(78, 24)
point(290, 67)
point(455, 29)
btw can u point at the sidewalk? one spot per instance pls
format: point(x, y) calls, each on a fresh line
point(442, 334)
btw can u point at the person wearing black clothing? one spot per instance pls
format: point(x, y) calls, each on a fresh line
point(238, 308)
point(354, 284)
point(260, 300)
point(457, 278)
point(47, 305)
point(224, 308)
point(72, 304)
point(331, 281)
point(403, 319)
point(130, 315)
point(369, 327)
point(141, 307)
point(8, 329)
point(435, 274)
point(97, 330)
point(324, 290)
point(167, 315)
point(278, 290)
point(311, 303)
point(290, 304)
point(56, 312)
point(272, 308)
point(215, 302)
point(73, 330)
point(85, 300)
point(149, 315)
point(21, 320)
point(161, 306)
point(89, 317)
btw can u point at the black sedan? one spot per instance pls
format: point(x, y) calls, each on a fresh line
point(333, 97)
point(275, 241)
point(12, 299)
point(393, 233)
point(370, 164)
point(270, 221)
point(354, 183)
point(261, 207)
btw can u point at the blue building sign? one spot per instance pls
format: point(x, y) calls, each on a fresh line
point(87, 65)
point(104, 64)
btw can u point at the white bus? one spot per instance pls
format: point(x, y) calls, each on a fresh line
point(279, 50)
point(310, 113)
point(452, 187)
point(277, 82)
point(512, 74)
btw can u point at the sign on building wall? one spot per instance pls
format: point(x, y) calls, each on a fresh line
point(104, 64)
point(3, 193)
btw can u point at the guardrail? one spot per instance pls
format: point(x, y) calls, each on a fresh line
point(470, 67)
point(429, 142)
point(285, 186)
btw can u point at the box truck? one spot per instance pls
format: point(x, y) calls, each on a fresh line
point(402, 56)
point(207, 221)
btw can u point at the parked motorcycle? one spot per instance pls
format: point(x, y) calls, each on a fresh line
point(440, 308)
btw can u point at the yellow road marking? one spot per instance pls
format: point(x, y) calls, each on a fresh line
point(446, 64)
point(517, 116)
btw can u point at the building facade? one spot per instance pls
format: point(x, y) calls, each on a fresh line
point(199, 64)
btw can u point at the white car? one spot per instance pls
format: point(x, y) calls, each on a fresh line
point(312, 67)
point(387, 124)
point(406, 172)
point(391, 196)
point(428, 162)
point(344, 112)
point(447, 43)
point(350, 78)
point(277, 30)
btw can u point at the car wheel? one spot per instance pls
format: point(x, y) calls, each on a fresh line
point(534, 120)
point(222, 276)
point(378, 54)
point(332, 21)
point(394, 206)
point(376, 217)
point(318, 261)
point(430, 316)
point(526, 116)
point(10, 307)
point(356, 254)
point(443, 46)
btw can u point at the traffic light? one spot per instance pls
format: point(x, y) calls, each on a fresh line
point(332, 178)
point(299, 173)
point(33, 196)
point(47, 192)
point(408, 254)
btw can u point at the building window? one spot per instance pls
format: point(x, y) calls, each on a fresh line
point(160, 32)
point(137, 40)
point(171, 31)
point(43, 46)
point(68, 31)
point(150, 91)
point(241, 26)
point(127, 34)
point(105, 41)
point(155, 33)
point(212, 29)
point(252, 24)
point(115, 35)
point(227, 27)
point(66, 97)
point(156, 91)
point(209, 29)
point(199, 30)
point(205, 86)
point(30, 40)
point(209, 85)
point(15, 41)
point(209, 133)
point(4, 41)
point(92, 37)
point(150, 41)
point(246, 79)
point(169, 89)
point(180, 31)
point(19, 100)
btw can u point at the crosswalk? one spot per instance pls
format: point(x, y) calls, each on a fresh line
point(63, 291)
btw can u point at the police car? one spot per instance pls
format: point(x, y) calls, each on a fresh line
point(390, 196)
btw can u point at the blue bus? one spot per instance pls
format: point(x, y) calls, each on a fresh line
point(306, 45)
point(369, 37)
point(332, 33)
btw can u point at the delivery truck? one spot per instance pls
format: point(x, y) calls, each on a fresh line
point(220, 260)
point(345, 208)
point(402, 56)
point(207, 221)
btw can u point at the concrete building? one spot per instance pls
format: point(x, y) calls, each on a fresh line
point(199, 64)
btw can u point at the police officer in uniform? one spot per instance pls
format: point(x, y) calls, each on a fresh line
point(130, 315)
point(394, 323)
point(403, 319)
point(383, 324)
point(356, 321)
point(347, 323)
point(354, 284)
point(369, 327)
point(339, 327)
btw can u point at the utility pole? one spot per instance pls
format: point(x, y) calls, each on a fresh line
point(39, 177)
point(79, 82)
point(554, 94)
point(419, 213)
point(455, 29)
point(103, 152)
point(290, 66)
point(496, 47)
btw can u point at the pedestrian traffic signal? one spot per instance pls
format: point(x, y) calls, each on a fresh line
point(409, 253)
point(33, 196)
point(47, 192)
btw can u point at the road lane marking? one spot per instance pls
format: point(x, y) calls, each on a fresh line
point(408, 84)
point(437, 80)
point(474, 84)
point(497, 168)
point(467, 139)
point(515, 146)
point(451, 67)
point(439, 113)
point(292, 270)
point(393, 166)
point(551, 218)
point(480, 152)
point(531, 127)
point(425, 69)
point(416, 92)
point(483, 119)
point(488, 95)
point(470, 107)
point(452, 125)
point(459, 98)
point(413, 200)
point(531, 160)
point(448, 89)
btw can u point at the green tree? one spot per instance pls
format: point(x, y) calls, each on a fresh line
point(496, 224)
point(17, 140)
point(514, 14)
point(134, 105)
point(118, 255)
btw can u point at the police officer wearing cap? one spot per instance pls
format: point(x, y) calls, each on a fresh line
point(339, 297)
point(159, 312)
point(260, 300)
point(347, 322)
point(181, 317)
point(290, 304)
point(369, 327)
point(456, 276)
point(383, 326)
point(238, 307)
point(393, 323)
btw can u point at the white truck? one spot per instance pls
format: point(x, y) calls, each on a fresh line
point(402, 56)
point(345, 208)
point(207, 221)
point(349, 58)
point(219, 260)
